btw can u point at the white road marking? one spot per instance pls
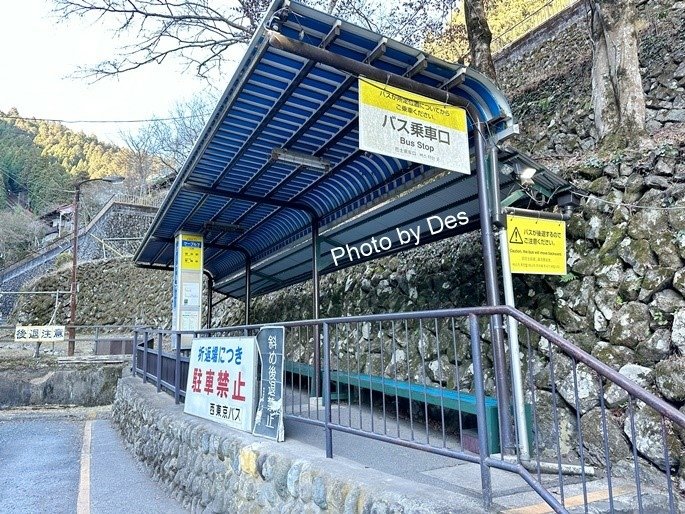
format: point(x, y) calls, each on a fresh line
point(83, 502)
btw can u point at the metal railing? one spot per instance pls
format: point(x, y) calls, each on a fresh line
point(145, 201)
point(423, 380)
point(530, 23)
point(89, 340)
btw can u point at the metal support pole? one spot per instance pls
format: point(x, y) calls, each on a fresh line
point(74, 258)
point(512, 326)
point(327, 392)
point(159, 362)
point(497, 216)
point(177, 368)
point(315, 305)
point(248, 287)
point(492, 289)
point(210, 287)
point(145, 357)
point(486, 485)
point(134, 358)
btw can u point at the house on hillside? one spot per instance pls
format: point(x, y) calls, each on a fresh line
point(58, 222)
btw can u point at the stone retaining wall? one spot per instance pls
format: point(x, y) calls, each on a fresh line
point(123, 222)
point(210, 468)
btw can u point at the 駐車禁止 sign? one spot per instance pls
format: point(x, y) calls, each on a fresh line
point(221, 381)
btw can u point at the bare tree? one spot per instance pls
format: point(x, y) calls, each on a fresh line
point(138, 160)
point(21, 232)
point(480, 37)
point(200, 32)
point(174, 136)
point(617, 93)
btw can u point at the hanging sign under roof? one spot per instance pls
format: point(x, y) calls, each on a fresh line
point(412, 127)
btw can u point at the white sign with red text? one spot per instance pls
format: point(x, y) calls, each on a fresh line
point(222, 381)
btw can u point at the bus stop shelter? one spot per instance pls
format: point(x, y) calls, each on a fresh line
point(277, 178)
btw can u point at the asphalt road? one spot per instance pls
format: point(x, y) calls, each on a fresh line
point(45, 467)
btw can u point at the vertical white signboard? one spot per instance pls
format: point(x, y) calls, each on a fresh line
point(222, 381)
point(187, 285)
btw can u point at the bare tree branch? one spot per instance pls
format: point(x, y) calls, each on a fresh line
point(200, 32)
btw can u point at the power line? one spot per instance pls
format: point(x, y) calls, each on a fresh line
point(56, 120)
point(629, 205)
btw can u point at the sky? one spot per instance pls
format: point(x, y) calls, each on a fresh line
point(39, 55)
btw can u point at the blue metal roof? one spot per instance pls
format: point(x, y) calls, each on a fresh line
point(278, 100)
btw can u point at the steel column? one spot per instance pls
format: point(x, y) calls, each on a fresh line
point(248, 291)
point(316, 247)
point(512, 325)
point(486, 484)
point(71, 345)
point(327, 392)
point(210, 286)
point(177, 367)
point(492, 289)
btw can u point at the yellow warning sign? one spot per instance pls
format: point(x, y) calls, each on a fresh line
point(536, 246)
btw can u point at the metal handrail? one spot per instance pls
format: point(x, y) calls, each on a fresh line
point(592, 362)
point(602, 369)
point(151, 357)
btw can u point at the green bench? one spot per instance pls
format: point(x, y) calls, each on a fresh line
point(302, 370)
point(447, 398)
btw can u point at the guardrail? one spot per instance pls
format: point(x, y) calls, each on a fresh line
point(90, 340)
point(423, 380)
point(530, 23)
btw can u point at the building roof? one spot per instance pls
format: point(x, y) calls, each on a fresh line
point(249, 204)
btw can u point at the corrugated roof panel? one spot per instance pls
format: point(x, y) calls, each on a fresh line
point(279, 100)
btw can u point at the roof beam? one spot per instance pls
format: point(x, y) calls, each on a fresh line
point(357, 68)
point(456, 80)
point(267, 277)
point(420, 65)
point(231, 195)
point(332, 35)
point(377, 52)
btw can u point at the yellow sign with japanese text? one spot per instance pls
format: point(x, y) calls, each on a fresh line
point(191, 252)
point(536, 246)
point(412, 127)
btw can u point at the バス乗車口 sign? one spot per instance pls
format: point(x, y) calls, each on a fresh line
point(536, 246)
point(221, 381)
point(412, 127)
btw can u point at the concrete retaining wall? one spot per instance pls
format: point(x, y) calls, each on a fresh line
point(210, 468)
point(85, 385)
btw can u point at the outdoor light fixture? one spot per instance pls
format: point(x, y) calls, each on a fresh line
point(302, 159)
point(526, 174)
point(222, 227)
point(115, 179)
